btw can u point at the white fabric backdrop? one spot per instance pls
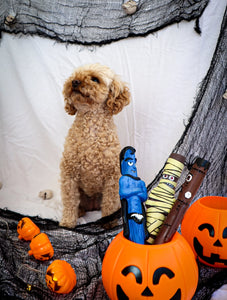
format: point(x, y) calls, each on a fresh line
point(163, 71)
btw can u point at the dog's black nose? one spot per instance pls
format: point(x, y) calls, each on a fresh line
point(75, 83)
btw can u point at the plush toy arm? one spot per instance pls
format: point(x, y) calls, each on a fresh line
point(143, 194)
point(126, 190)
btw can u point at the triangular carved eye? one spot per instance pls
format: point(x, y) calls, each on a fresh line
point(224, 235)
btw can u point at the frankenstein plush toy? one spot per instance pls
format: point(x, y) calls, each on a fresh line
point(133, 193)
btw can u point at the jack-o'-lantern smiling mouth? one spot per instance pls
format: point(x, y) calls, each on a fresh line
point(147, 293)
point(214, 258)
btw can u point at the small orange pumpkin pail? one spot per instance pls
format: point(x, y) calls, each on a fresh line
point(41, 247)
point(60, 277)
point(205, 228)
point(27, 229)
point(135, 271)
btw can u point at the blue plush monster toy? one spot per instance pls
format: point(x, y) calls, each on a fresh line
point(133, 193)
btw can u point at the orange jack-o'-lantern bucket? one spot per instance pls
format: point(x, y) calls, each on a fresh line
point(135, 271)
point(205, 228)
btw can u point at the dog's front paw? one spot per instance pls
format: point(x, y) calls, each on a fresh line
point(68, 223)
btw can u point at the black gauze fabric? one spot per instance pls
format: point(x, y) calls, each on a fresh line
point(94, 21)
point(205, 134)
point(83, 247)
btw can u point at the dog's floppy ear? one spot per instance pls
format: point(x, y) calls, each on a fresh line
point(119, 96)
point(67, 91)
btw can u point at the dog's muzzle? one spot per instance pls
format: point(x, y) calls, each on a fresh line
point(75, 84)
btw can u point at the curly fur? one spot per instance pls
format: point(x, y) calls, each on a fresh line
point(90, 161)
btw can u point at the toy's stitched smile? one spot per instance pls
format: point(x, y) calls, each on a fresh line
point(170, 185)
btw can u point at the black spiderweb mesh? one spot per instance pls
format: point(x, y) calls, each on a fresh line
point(85, 246)
point(93, 21)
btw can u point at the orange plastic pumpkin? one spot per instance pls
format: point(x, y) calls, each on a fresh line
point(134, 271)
point(60, 277)
point(41, 247)
point(27, 229)
point(205, 228)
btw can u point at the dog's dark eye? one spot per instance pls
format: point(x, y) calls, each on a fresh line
point(95, 79)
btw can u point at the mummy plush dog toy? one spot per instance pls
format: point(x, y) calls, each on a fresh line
point(90, 162)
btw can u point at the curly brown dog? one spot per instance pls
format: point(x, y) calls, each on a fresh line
point(90, 162)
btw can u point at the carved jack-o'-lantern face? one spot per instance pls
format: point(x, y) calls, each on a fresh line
point(134, 271)
point(146, 292)
point(27, 229)
point(41, 247)
point(60, 277)
point(205, 227)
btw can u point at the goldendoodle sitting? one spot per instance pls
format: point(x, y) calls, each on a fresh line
point(90, 162)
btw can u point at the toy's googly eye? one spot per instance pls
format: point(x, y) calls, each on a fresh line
point(165, 176)
point(171, 178)
point(130, 163)
point(189, 178)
